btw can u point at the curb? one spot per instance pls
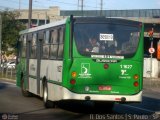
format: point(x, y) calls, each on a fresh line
point(8, 80)
point(152, 89)
point(158, 112)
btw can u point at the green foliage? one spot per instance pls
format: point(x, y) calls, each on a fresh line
point(10, 30)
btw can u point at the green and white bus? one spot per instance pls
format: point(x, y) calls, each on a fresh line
point(57, 62)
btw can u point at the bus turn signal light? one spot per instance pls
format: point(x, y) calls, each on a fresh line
point(74, 74)
point(136, 77)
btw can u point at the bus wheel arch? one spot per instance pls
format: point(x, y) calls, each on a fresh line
point(47, 103)
point(24, 91)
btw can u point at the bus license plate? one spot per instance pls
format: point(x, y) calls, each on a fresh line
point(105, 87)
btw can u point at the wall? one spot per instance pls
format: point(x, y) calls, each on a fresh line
point(147, 68)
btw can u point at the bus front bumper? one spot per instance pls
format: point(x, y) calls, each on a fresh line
point(68, 95)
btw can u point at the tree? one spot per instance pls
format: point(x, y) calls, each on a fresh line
point(10, 31)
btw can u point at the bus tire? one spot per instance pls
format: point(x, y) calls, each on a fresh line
point(25, 93)
point(47, 103)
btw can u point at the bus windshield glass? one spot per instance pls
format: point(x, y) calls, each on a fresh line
point(106, 39)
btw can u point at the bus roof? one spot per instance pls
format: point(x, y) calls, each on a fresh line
point(105, 20)
point(57, 23)
point(81, 20)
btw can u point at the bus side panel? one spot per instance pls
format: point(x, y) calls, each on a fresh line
point(67, 61)
point(51, 70)
point(33, 76)
point(18, 75)
point(20, 68)
point(141, 50)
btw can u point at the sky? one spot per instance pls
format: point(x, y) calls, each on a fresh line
point(88, 4)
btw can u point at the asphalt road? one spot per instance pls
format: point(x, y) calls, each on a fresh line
point(14, 106)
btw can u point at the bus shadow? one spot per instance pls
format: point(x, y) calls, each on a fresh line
point(3, 86)
point(150, 103)
point(147, 106)
point(86, 107)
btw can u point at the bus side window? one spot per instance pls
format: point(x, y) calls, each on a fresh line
point(23, 45)
point(46, 44)
point(54, 36)
point(19, 47)
point(34, 44)
point(61, 43)
point(54, 44)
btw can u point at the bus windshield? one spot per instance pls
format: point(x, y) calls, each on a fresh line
point(106, 39)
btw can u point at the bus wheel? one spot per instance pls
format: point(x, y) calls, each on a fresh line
point(25, 93)
point(47, 103)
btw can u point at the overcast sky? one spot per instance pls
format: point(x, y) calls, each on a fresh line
point(88, 4)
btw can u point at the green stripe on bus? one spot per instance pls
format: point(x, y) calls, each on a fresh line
point(54, 82)
point(34, 77)
point(50, 81)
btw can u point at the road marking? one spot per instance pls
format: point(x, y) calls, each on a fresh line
point(139, 108)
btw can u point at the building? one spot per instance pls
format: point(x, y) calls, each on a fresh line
point(41, 16)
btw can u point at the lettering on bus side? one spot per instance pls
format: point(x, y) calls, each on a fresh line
point(105, 61)
point(107, 56)
point(126, 66)
point(124, 71)
point(32, 67)
point(59, 68)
